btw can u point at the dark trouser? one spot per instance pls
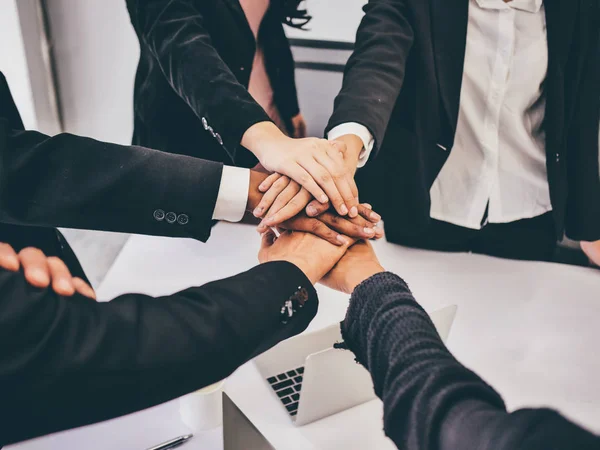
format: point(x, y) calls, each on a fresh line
point(528, 239)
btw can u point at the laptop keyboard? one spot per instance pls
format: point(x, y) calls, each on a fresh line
point(287, 386)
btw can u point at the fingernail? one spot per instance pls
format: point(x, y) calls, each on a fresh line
point(258, 212)
point(367, 205)
point(262, 187)
point(353, 211)
point(311, 211)
point(323, 199)
point(369, 231)
point(341, 239)
point(64, 286)
point(39, 276)
point(375, 216)
point(343, 210)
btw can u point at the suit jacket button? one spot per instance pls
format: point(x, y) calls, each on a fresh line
point(205, 123)
point(183, 219)
point(219, 138)
point(558, 157)
point(159, 215)
point(171, 217)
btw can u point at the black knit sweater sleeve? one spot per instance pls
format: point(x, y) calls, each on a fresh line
point(431, 401)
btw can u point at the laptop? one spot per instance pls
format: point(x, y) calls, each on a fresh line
point(313, 380)
point(238, 432)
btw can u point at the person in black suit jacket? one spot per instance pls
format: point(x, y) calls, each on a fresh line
point(70, 361)
point(76, 182)
point(198, 60)
point(482, 118)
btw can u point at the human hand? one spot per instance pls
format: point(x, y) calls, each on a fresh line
point(284, 199)
point(315, 164)
point(358, 264)
point(311, 254)
point(42, 271)
point(350, 147)
point(331, 227)
point(592, 250)
point(299, 126)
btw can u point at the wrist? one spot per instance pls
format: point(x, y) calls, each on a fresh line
point(254, 195)
point(260, 136)
point(353, 146)
point(354, 278)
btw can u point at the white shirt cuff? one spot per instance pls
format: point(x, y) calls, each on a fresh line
point(233, 194)
point(359, 130)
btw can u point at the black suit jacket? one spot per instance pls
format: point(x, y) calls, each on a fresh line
point(68, 362)
point(195, 64)
point(76, 182)
point(403, 83)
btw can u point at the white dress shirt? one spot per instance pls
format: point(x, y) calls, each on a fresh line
point(233, 194)
point(498, 160)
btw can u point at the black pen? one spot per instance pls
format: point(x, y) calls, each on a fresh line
point(173, 442)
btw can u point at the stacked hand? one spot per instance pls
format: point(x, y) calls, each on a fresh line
point(311, 188)
point(338, 267)
point(42, 271)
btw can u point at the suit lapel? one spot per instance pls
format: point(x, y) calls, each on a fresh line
point(560, 22)
point(240, 17)
point(449, 21)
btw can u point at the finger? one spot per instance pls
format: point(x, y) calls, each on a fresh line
point(368, 213)
point(326, 181)
point(316, 227)
point(343, 182)
point(267, 200)
point(268, 182)
point(315, 208)
point(304, 178)
point(267, 239)
point(83, 288)
point(355, 228)
point(35, 267)
point(294, 206)
point(284, 199)
point(62, 280)
point(8, 258)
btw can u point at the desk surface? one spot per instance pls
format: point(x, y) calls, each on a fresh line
point(529, 329)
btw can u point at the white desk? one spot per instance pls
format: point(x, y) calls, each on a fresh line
point(530, 329)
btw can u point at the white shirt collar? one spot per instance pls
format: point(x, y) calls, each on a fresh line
point(532, 6)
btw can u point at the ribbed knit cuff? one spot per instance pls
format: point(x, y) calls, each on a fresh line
point(366, 299)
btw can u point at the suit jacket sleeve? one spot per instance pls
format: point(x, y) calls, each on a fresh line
point(67, 362)
point(431, 401)
point(175, 34)
point(375, 72)
point(583, 211)
point(76, 182)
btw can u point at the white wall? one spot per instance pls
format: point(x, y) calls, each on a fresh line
point(333, 20)
point(96, 54)
point(13, 62)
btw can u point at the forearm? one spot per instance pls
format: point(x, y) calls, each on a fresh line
point(413, 372)
point(175, 34)
point(374, 74)
point(73, 361)
point(75, 182)
point(431, 401)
